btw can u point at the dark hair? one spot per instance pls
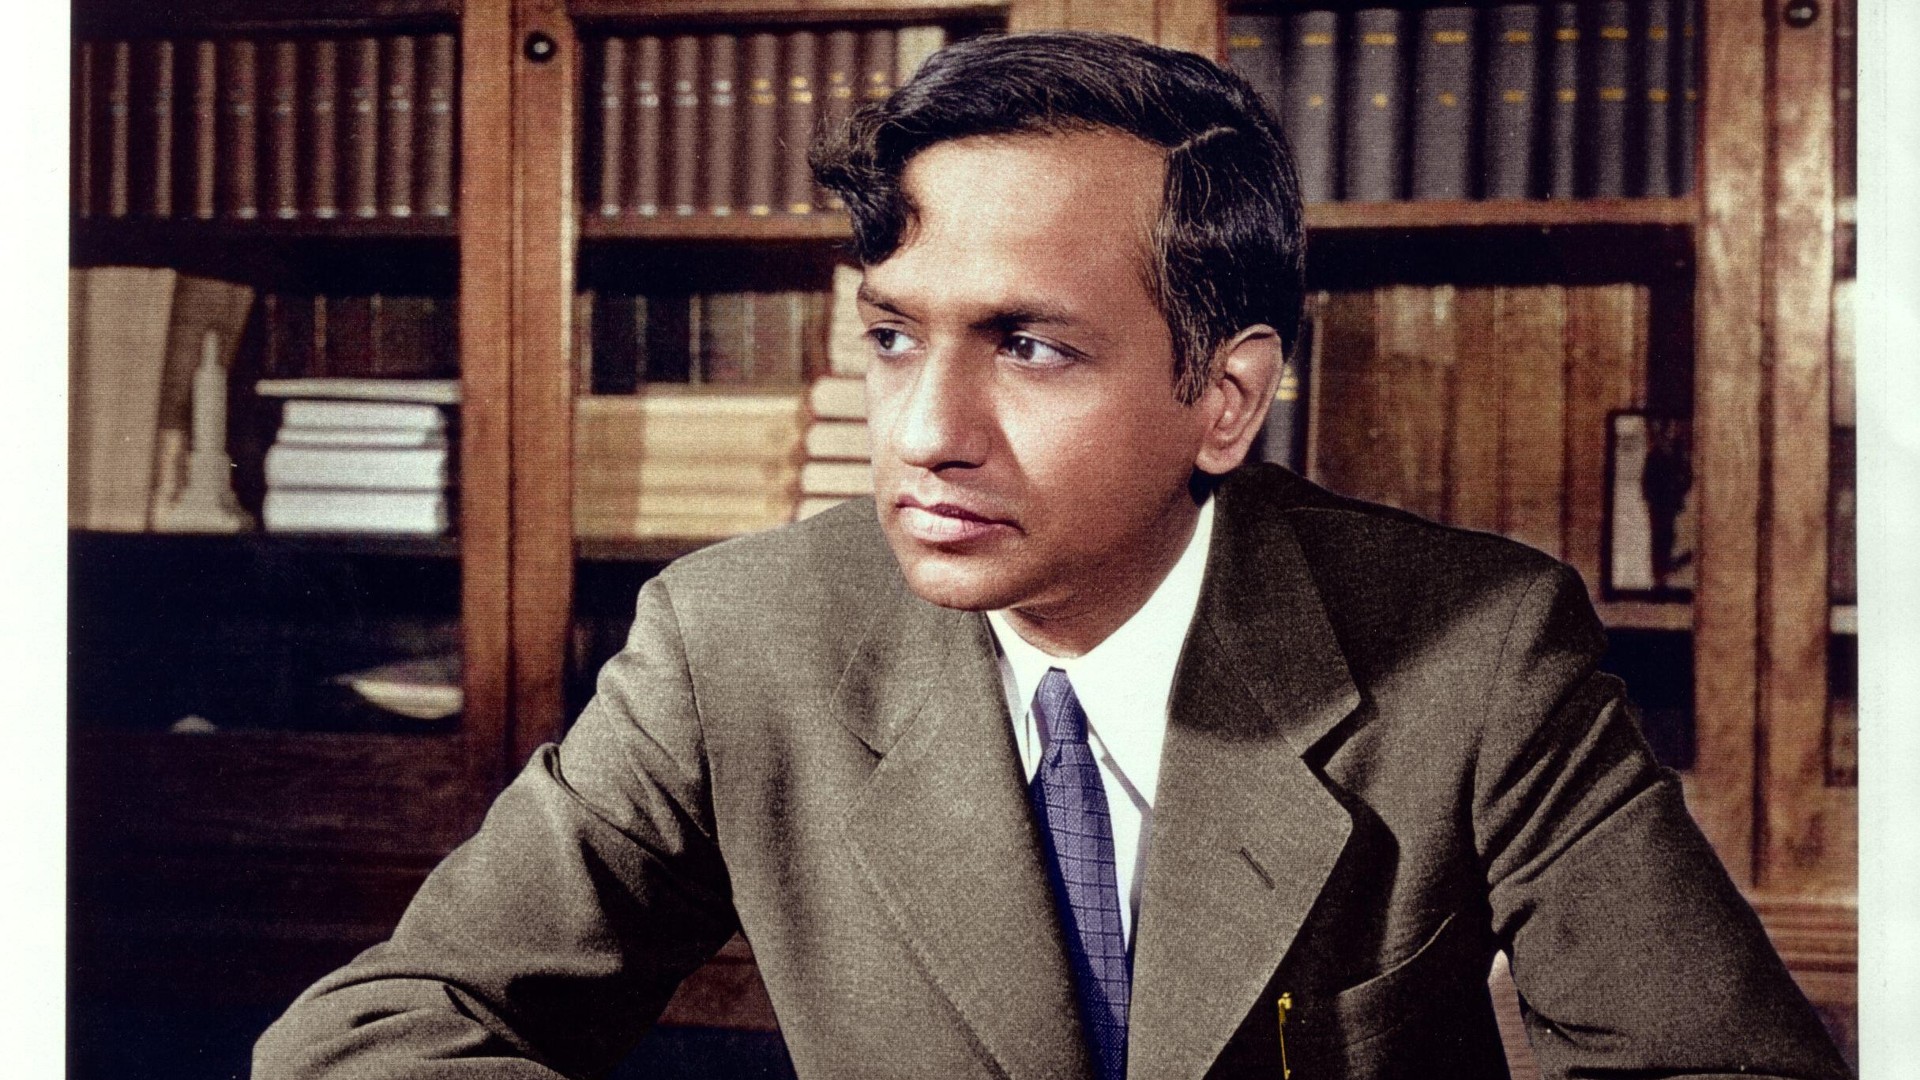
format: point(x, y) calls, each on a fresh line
point(1229, 245)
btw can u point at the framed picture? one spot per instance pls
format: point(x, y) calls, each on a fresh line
point(1652, 519)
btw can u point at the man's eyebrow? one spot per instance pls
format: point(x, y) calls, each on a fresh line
point(1012, 318)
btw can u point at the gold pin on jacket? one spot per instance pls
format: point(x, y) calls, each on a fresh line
point(1285, 1005)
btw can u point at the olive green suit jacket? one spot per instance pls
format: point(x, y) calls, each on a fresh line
point(1389, 754)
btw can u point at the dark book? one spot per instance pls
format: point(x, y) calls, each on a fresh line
point(618, 342)
point(802, 58)
point(86, 124)
point(1607, 124)
point(1313, 86)
point(360, 142)
point(760, 158)
point(614, 82)
point(437, 150)
point(119, 140)
point(413, 337)
point(1444, 82)
point(283, 147)
point(323, 128)
point(158, 146)
point(1686, 120)
point(778, 337)
point(1656, 75)
point(1842, 572)
point(722, 140)
point(1563, 102)
point(204, 116)
point(878, 54)
point(838, 74)
point(725, 349)
point(347, 334)
point(399, 72)
point(240, 128)
point(1846, 108)
point(649, 143)
point(683, 59)
point(669, 333)
point(289, 340)
point(1376, 104)
point(1256, 52)
point(1513, 71)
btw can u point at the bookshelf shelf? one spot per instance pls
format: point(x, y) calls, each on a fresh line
point(1497, 213)
point(776, 11)
point(661, 550)
point(734, 228)
point(215, 546)
point(265, 16)
point(189, 232)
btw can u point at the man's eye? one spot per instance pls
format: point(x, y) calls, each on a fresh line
point(888, 342)
point(1035, 352)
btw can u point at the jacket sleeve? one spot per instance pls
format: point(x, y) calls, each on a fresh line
point(1633, 951)
point(547, 943)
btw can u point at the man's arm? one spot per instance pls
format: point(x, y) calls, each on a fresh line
point(548, 942)
point(1633, 951)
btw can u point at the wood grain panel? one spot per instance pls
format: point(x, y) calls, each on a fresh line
point(1474, 471)
point(1414, 366)
point(1606, 354)
point(1530, 338)
point(1194, 25)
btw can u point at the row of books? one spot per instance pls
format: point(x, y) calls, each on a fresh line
point(739, 338)
point(1562, 99)
point(360, 456)
point(358, 336)
point(719, 123)
point(285, 128)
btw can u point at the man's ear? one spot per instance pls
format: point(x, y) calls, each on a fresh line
point(1246, 372)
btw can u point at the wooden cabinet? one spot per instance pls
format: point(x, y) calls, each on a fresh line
point(265, 856)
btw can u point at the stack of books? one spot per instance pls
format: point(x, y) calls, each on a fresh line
point(361, 455)
point(760, 338)
point(309, 128)
point(839, 461)
point(684, 463)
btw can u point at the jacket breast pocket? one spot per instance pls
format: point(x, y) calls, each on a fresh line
point(1415, 987)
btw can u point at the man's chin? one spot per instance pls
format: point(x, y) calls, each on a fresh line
point(958, 582)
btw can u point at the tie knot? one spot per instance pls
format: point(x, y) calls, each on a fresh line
point(1058, 710)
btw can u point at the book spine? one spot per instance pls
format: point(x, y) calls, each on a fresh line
point(161, 145)
point(838, 75)
point(205, 105)
point(778, 337)
point(84, 127)
point(683, 190)
point(725, 338)
point(1444, 84)
point(283, 147)
point(615, 80)
point(361, 144)
point(877, 59)
point(1612, 53)
point(323, 129)
point(802, 63)
point(1656, 74)
point(1375, 106)
point(1513, 69)
point(1254, 52)
point(1686, 146)
point(1284, 436)
point(399, 68)
point(648, 125)
point(437, 136)
point(763, 123)
point(119, 128)
point(1312, 70)
point(722, 140)
point(1563, 102)
point(240, 139)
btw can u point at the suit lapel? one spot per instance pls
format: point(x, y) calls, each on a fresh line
point(942, 832)
point(1244, 833)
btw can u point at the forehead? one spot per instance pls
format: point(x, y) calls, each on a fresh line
point(1057, 211)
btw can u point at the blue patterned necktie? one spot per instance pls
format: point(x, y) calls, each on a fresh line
point(1070, 804)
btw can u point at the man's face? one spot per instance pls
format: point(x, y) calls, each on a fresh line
point(1029, 452)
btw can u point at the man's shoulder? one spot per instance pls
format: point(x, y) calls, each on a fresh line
point(836, 560)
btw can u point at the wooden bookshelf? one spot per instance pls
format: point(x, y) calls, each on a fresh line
point(1501, 213)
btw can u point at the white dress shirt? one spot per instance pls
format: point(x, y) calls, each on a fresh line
point(1123, 685)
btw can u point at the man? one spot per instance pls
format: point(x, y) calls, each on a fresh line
point(1083, 750)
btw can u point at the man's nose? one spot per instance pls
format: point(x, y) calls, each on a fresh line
point(942, 422)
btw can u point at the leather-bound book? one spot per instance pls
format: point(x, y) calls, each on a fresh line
point(1608, 124)
point(614, 83)
point(1656, 76)
point(1376, 104)
point(119, 142)
point(1563, 101)
point(1313, 87)
point(760, 160)
point(283, 147)
point(1255, 53)
point(878, 55)
point(1686, 147)
point(1445, 81)
point(204, 113)
point(360, 144)
point(721, 145)
point(801, 62)
point(399, 73)
point(839, 73)
point(323, 128)
point(1512, 96)
point(84, 128)
point(649, 126)
point(437, 124)
point(240, 129)
point(683, 76)
point(157, 143)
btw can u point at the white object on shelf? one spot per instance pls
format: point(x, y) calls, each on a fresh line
point(205, 502)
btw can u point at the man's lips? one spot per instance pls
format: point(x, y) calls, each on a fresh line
point(947, 522)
